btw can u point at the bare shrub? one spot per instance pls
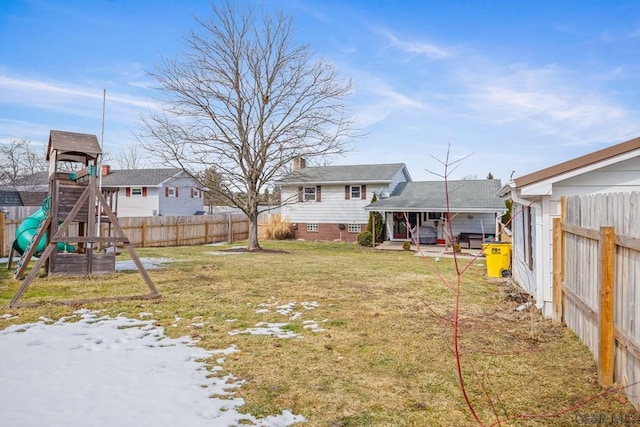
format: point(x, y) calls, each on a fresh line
point(275, 228)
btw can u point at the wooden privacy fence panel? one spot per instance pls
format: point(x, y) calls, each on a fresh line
point(158, 231)
point(161, 231)
point(601, 282)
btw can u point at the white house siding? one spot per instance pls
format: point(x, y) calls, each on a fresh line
point(133, 206)
point(157, 203)
point(183, 203)
point(332, 208)
point(332, 212)
point(520, 271)
point(398, 178)
point(618, 177)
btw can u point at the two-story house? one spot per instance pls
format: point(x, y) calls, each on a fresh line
point(327, 202)
point(151, 192)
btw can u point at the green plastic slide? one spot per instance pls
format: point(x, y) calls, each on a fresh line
point(27, 230)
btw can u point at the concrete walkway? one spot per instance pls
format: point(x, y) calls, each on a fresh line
point(430, 250)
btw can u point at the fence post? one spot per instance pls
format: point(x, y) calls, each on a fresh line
point(143, 239)
point(605, 324)
point(206, 232)
point(177, 231)
point(3, 232)
point(558, 262)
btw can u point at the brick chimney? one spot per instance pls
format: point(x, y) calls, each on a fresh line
point(106, 170)
point(299, 163)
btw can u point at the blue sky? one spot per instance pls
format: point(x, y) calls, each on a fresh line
point(514, 85)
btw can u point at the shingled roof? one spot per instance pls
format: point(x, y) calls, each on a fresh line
point(10, 198)
point(430, 196)
point(356, 174)
point(73, 146)
point(139, 177)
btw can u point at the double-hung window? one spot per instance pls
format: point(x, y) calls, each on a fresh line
point(355, 192)
point(309, 194)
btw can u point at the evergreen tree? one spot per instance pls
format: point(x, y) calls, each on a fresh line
point(379, 229)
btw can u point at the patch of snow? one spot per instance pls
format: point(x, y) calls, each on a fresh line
point(120, 371)
point(310, 305)
point(286, 309)
point(147, 263)
point(312, 325)
point(273, 329)
point(224, 253)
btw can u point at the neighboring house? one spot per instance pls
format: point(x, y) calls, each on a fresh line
point(150, 192)
point(16, 203)
point(473, 209)
point(326, 202)
point(9, 197)
point(536, 202)
point(33, 188)
point(141, 192)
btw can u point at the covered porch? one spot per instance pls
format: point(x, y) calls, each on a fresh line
point(466, 212)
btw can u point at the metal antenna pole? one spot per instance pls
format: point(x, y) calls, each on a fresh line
point(99, 171)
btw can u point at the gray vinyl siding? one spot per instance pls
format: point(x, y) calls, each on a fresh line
point(183, 203)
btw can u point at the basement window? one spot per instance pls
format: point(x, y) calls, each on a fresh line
point(353, 228)
point(313, 227)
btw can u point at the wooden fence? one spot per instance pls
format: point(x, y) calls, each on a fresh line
point(597, 282)
point(158, 230)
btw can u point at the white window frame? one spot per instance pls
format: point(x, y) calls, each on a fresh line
point(136, 192)
point(351, 194)
point(306, 194)
point(313, 227)
point(171, 192)
point(354, 228)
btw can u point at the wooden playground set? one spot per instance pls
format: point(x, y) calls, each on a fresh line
point(75, 198)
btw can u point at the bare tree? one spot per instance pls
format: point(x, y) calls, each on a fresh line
point(247, 99)
point(18, 160)
point(130, 157)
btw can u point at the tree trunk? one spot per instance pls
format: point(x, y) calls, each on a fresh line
point(252, 240)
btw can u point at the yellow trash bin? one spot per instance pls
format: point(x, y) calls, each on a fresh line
point(498, 259)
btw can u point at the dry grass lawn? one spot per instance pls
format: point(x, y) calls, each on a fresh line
point(383, 356)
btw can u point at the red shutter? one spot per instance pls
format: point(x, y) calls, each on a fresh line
point(144, 191)
point(347, 192)
point(128, 191)
point(300, 190)
point(363, 190)
point(318, 198)
point(176, 191)
point(192, 192)
point(166, 191)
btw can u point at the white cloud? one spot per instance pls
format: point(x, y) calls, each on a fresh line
point(549, 99)
point(421, 48)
